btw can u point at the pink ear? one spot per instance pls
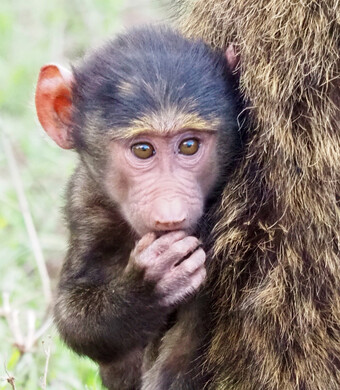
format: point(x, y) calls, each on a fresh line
point(232, 57)
point(53, 101)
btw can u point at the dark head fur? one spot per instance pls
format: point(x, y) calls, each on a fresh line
point(148, 73)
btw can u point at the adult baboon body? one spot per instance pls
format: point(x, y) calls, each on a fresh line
point(154, 150)
point(277, 242)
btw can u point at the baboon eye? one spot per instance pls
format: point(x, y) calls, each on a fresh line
point(143, 150)
point(189, 146)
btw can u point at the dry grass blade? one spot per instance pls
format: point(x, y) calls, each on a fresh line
point(31, 230)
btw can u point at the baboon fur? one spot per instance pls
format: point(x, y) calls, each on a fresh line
point(276, 245)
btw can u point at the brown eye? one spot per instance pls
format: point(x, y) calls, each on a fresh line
point(143, 150)
point(189, 146)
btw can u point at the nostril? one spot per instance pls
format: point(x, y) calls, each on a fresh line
point(169, 225)
point(169, 214)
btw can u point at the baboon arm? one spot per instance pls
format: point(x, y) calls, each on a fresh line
point(102, 314)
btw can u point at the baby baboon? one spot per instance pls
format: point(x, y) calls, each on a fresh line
point(153, 117)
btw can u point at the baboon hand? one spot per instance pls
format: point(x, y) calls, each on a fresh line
point(174, 263)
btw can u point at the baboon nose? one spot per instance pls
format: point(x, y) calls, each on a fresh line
point(169, 215)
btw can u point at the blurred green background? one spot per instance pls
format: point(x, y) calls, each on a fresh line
point(33, 174)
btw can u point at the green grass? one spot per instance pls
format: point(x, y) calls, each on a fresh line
point(33, 33)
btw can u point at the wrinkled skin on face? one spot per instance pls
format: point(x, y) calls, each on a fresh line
point(165, 191)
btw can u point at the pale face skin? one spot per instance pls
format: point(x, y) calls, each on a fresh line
point(166, 191)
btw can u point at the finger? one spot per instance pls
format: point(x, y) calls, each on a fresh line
point(198, 279)
point(145, 242)
point(183, 248)
point(183, 293)
point(166, 241)
point(176, 253)
point(192, 263)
